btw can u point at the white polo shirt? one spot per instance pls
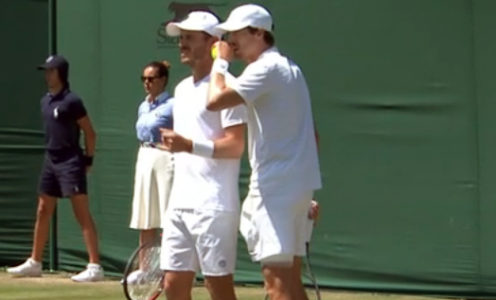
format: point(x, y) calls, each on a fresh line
point(201, 182)
point(281, 137)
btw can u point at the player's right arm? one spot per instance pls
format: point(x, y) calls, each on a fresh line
point(220, 96)
point(231, 145)
point(253, 82)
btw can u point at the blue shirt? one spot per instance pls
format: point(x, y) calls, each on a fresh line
point(60, 115)
point(152, 116)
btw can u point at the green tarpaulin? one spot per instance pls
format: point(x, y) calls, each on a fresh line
point(403, 97)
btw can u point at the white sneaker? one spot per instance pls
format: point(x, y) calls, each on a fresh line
point(30, 268)
point(93, 272)
point(135, 277)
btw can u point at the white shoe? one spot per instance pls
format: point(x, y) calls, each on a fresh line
point(30, 268)
point(135, 277)
point(93, 272)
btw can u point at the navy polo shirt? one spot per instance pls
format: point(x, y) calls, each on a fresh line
point(60, 115)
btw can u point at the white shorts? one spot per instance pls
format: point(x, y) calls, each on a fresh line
point(200, 240)
point(152, 186)
point(276, 225)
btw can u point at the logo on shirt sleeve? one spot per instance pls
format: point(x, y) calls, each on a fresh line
point(56, 112)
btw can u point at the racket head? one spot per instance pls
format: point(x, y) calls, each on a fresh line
point(143, 277)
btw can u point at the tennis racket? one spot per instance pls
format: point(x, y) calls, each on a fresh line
point(143, 278)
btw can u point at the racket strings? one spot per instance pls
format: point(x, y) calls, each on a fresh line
point(149, 283)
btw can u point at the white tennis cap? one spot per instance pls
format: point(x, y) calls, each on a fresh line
point(249, 15)
point(195, 21)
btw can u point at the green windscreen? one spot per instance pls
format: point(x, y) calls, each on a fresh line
point(24, 45)
point(403, 98)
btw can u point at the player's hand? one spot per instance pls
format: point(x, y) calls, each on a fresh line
point(313, 212)
point(224, 50)
point(88, 169)
point(173, 142)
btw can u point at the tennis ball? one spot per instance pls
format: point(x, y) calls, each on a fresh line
point(214, 52)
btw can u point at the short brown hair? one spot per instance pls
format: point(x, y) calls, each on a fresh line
point(267, 36)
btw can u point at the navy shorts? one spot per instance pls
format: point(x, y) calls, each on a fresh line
point(63, 177)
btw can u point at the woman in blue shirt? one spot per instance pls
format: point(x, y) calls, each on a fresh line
point(154, 167)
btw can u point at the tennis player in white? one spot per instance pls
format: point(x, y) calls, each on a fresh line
point(281, 146)
point(201, 224)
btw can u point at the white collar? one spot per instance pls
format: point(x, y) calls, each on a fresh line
point(162, 96)
point(269, 51)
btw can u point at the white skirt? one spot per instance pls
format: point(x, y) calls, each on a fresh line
point(152, 186)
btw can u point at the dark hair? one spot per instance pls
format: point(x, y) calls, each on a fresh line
point(267, 36)
point(64, 75)
point(162, 68)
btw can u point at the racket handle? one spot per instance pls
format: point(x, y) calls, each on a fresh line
point(309, 230)
point(155, 296)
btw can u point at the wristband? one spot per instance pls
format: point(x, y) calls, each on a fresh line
point(220, 66)
point(203, 148)
point(88, 160)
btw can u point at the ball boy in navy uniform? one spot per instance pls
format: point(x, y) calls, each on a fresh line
point(64, 168)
